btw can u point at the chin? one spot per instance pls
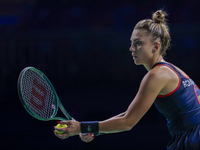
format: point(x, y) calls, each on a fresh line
point(137, 63)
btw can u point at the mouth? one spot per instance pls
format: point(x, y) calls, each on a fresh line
point(134, 56)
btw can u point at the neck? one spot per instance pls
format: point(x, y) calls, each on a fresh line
point(149, 65)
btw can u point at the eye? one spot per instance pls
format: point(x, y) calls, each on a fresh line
point(137, 43)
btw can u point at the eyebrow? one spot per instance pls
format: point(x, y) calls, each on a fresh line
point(138, 39)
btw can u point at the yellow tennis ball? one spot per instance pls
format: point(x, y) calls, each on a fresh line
point(60, 126)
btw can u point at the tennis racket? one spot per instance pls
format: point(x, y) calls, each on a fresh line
point(38, 95)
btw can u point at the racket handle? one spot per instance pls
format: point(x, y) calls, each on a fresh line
point(73, 119)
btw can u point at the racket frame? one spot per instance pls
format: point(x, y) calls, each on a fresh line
point(56, 98)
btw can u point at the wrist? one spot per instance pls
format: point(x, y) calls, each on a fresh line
point(90, 127)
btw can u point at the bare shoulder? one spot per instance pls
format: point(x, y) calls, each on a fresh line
point(159, 72)
point(158, 79)
point(155, 80)
point(164, 77)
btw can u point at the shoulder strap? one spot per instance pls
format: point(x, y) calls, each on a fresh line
point(171, 66)
point(160, 63)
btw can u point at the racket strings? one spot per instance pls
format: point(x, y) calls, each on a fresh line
point(38, 94)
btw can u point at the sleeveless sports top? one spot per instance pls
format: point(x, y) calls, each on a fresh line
point(181, 107)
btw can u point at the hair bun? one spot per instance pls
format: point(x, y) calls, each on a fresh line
point(159, 16)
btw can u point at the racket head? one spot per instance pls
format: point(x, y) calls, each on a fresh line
point(38, 95)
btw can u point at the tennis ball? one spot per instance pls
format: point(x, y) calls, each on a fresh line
point(60, 126)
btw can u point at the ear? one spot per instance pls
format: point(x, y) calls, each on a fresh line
point(156, 47)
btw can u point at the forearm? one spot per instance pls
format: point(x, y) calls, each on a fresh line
point(115, 124)
point(117, 116)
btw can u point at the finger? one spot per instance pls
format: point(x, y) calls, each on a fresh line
point(57, 135)
point(91, 137)
point(88, 139)
point(65, 122)
point(61, 136)
point(83, 135)
point(60, 129)
point(86, 135)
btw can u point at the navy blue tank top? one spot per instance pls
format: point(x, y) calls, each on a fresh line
point(181, 107)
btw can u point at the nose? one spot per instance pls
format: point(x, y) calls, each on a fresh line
point(132, 49)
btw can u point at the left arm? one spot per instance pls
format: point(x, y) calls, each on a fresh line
point(150, 87)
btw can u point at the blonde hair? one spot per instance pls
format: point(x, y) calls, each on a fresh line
point(158, 29)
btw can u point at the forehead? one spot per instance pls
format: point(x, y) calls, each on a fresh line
point(139, 34)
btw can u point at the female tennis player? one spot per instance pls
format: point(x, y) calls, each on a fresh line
point(173, 92)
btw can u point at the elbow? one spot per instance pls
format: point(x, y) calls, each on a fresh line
point(128, 127)
point(129, 123)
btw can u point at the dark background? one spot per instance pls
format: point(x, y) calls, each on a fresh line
point(83, 48)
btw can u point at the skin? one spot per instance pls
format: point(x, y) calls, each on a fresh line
point(160, 80)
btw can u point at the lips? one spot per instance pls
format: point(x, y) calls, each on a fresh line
point(134, 56)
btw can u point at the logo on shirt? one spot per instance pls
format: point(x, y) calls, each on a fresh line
point(188, 83)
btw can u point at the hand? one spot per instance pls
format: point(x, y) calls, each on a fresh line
point(87, 137)
point(73, 128)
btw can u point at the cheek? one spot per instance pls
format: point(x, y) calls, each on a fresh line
point(144, 55)
point(147, 50)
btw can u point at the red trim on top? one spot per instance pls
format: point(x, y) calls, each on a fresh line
point(187, 76)
point(196, 93)
point(176, 87)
